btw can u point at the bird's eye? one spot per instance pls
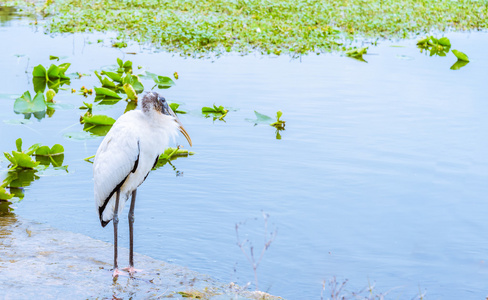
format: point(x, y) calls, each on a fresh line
point(162, 99)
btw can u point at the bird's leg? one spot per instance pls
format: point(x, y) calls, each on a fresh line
point(131, 229)
point(131, 269)
point(116, 222)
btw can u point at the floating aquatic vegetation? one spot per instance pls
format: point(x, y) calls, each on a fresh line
point(20, 159)
point(357, 53)
point(264, 119)
point(162, 82)
point(460, 55)
point(47, 156)
point(26, 105)
point(97, 124)
point(121, 81)
point(171, 154)
point(218, 112)
point(270, 27)
point(175, 107)
point(439, 47)
point(53, 77)
point(279, 124)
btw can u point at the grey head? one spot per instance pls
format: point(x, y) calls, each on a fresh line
point(153, 101)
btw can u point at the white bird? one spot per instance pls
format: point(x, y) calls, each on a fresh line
point(126, 156)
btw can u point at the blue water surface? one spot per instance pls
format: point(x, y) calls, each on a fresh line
point(379, 178)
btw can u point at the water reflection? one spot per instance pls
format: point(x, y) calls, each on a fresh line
point(39, 115)
point(18, 179)
point(6, 15)
point(459, 64)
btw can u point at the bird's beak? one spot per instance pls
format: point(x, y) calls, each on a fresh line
point(183, 131)
point(166, 109)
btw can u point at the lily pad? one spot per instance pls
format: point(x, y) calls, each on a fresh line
point(57, 149)
point(112, 75)
point(170, 154)
point(97, 130)
point(53, 155)
point(134, 81)
point(439, 47)
point(260, 119)
point(357, 53)
point(215, 111)
point(106, 93)
point(162, 82)
point(174, 107)
point(25, 104)
point(98, 120)
point(124, 67)
point(460, 55)
point(53, 77)
point(21, 160)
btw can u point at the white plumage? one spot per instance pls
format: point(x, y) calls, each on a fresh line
point(133, 137)
point(126, 156)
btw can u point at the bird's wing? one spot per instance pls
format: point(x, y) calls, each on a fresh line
point(117, 156)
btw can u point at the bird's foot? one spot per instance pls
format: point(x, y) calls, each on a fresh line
point(117, 272)
point(131, 270)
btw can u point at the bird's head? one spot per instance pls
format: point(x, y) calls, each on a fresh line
point(152, 101)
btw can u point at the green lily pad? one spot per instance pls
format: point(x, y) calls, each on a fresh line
point(134, 81)
point(25, 104)
point(439, 47)
point(162, 82)
point(53, 155)
point(97, 130)
point(357, 53)
point(460, 55)
point(106, 93)
point(57, 149)
point(260, 119)
point(98, 120)
point(112, 75)
point(215, 111)
point(54, 77)
point(170, 154)
point(20, 160)
point(444, 41)
point(174, 107)
point(124, 67)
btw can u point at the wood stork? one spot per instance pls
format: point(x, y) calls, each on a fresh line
point(126, 156)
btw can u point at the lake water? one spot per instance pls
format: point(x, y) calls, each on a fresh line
point(379, 177)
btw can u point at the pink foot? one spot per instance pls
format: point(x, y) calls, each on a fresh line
point(131, 270)
point(116, 273)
